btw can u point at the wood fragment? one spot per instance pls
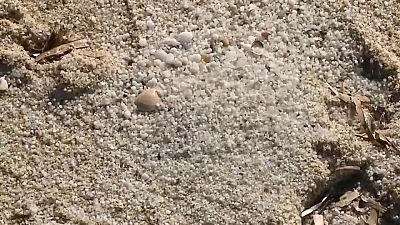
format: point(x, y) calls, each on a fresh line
point(347, 198)
point(373, 204)
point(63, 49)
point(318, 219)
point(353, 168)
point(373, 217)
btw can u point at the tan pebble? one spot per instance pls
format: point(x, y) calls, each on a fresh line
point(205, 58)
point(265, 34)
point(149, 100)
point(225, 42)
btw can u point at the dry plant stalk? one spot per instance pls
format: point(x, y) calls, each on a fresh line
point(63, 49)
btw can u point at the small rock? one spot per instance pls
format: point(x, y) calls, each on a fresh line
point(161, 55)
point(142, 42)
point(150, 24)
point(185, 37)
point(98, 125)
point(3, 84)
point(171, 42)
point(126, 114)
point(170, 58)
point(149, 100)
point(195, 58)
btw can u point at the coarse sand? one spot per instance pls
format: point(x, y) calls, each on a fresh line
point(248, 130)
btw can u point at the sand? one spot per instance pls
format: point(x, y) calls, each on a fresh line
point(239, 138)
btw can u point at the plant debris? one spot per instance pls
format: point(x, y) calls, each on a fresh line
point(62, 49)
point(315, 207)
point(373, 204)
point(347, 198)
point(367, 123)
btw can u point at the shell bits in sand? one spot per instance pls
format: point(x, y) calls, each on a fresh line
point(149, 100)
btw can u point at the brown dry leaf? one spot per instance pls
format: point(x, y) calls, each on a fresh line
point(63, 49)
point(382, 139)
point(373, 217)
point(318, 219)
point(347, 198)
point(365, 118)
point(373, 204)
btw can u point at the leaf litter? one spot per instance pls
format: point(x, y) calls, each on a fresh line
point(353, 198)
point(367, 123)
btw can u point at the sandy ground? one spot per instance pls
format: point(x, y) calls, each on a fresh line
point(247, 133)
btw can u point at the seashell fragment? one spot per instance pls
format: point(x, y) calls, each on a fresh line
point(149, 100)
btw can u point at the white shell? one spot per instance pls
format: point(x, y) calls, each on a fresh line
point(3, 84)
point(149, 100)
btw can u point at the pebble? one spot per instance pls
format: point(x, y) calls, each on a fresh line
point(98, 125)
point(170, 58)
point(185, 37)
point(3, 84)
point(127, 114)
point(142, 42)
point(195, 58)
point(150, 24)
point(149, 100)
point(161, 55)
point(171, 42)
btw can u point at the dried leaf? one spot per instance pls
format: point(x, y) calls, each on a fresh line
point(373, 204)
point(341, 96)
point(318, 219)
point(364, 118)
point(347, 198)
point(313, 208)
point(373, 217)
point(63, 49)
point(382, 139)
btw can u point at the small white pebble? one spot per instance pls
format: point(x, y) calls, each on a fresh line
point(97, 125)
point(171, 42)
point(170, 58)
point(194, 68)
point(142, 42)
point(127, 114)
point(150, 24)
point(195, 58)
point(185, 37)
point(152, 82)
point(158, 63)
point(3, 84)
point(161, 55)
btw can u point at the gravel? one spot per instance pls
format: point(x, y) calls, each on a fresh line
point(235, 141)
